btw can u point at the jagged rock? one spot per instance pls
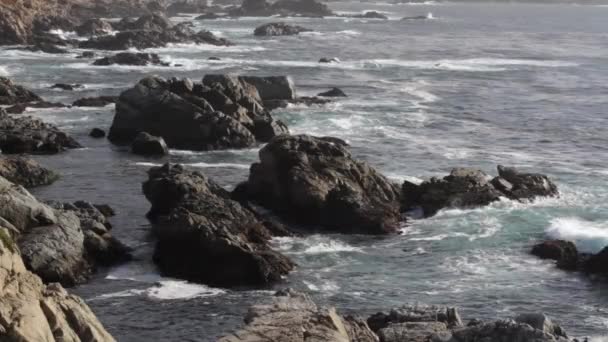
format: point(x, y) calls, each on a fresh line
point(448, 317)
point(94, 27)
point(97, 133)
point(29, 135)
point(303, 8)
point(11, 93)
point(186, 6)
point(279, 29)
point(466, 187)
point(31, 311)
point(148, 145)
point(130, 58)
point(334, 92)
point(18, 22)
point(272, 87)
point(222, 112)
point(329, 60)
point(115, 9)
point(564, 252)
point(293, 317)
point(65, 86)
point(149, 22)
point(20, 108)
point(316, 181)
point(100, 101)
point(206, 237)
point(26, 172)
point(504, 331)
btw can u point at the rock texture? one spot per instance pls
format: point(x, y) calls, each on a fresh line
point(11, 93)
point(149, 145)
point(26, 172)
point(333, 92)
point(100, 101)
point(568, 258)
point(31, 311)
point(130, 58)
point(61, 243)
point(316, 181)
point(222, 112)
point(294, 317)
point(301, 8)
point(279, 29)
point(465, 188)
point(204, 236)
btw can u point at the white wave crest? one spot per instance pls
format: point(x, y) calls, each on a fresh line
point(314, 244)
point(202, 165)
point(3, 71)
point(589, 237)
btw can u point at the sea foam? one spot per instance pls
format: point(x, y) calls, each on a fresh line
point(589, 237)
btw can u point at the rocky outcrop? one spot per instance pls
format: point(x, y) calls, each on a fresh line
point(186, 6)
point(130, 58)
point(94, 27)
point(316, 181)
point(370, 15)
point(279, 29)
point(272, 87)
point(59, 243)
point(100, 101)
point(300, 8)
point(466, 188)
point(204, 236)
point(293, 317)
point(148, 145)
point(222, 112)
point(18, 22)
point(568, 257)
point(20, 108)
point(333, 92)
point(151, 31)
point(31, 311)
point(29, 135)
point(26, 172)
point(421, 323)
point(97, 133)
point(11, 93)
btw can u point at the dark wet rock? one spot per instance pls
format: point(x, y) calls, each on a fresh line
point(11, 93)
point(447, 317)
point(46, 48)
point(208, 16)
point(26, 172)
point(186, 6)
point(370, 15)
point(65, 86)
point(418, 17)
point(97, 133)
point(149, 22)
point(214, 59)
point(20, 108)
point(597, 263)
point(334, 92)
point(468, 188)
point(279, 29)
point(100, 101)
point(293, 316)
point(94, 27)
point(48, 21)
point(87, 54)
point(29, 135)
point(303, 8)
point(130, 58)
point(272, 87)
point(222, 112)
point(204, 236)
point(149, 145)
point(326, 60)
point(315, 181)
point(564, 252)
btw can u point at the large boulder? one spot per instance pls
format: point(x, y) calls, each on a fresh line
point(26, 172)
point(316, 181)
point(131, 58)
point(466, 188)
point(279, 29)
point(292, 316)
point(11, 93)
point(597, 263)
point(29, 135)
point(100, 101)
point(272, 87)
point(31, 311)
point(149, 145)
point(564, 252)
point(204, 236)
point(94, 27)
point(223, 112)
point(58, 243)
point(148, 22)
point(21, 20)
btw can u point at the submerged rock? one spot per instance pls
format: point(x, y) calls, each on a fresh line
point(370, 15)
point(100, 101)
point(97, 133)
point(326, 60)
point(466, 188)
point(31, 311)
point(26, 172)
point(148, 145)
point(130, 58)
point(564, 252)
point(316, 181)
point(204, 236)
point(293, 316)
point(279, 29)
point(66, 86)
point(334, 92)
point(29, 135)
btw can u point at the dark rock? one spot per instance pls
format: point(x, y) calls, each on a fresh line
point(303, 8)
point(130, 58)
point(148, 145)
point(46, 48)
point(186, 6)
point(11, 93)
point(94, 27)
point(20, 108)
point(208, 16)
point(293, 316)
point(149, 22)
point(87, 54)
point(29, 135)
point(97, 133)
point(204, 236)
point(272, 87)
point(370, 15)
point(334, 92)
point(597, 263)
point(65, 86)
point(564, 252)
point(329, 60)
point(214, 58)
point(316, 181)
point(100, 101)
point(26, 172)
point(279, 29)
point(526, 186)
point(418, 17)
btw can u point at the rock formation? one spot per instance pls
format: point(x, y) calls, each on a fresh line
point(26, 172)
